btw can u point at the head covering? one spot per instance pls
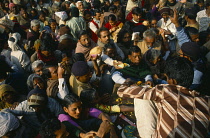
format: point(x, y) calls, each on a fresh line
point(12, 42)
point(80, 68)
point(11, 5)
point(165, 10)
point(96, 50)
point(37, 97)
point(5, 88)
point(191, 49)
point(6, 22)
point(62, 15)
point(8, 122)
point(31, 79)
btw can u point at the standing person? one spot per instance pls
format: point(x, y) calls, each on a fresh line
point(181, 112)
point(94, 25)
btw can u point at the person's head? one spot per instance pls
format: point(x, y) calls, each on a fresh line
point(34, 13)
point(37, 67)
point(165, 12)
point(134, 55)
point(9, 125)
point(81, 71)
point(84, 38)
point(153, 56)
point(103, 35)
point(140, 29)
point(53, 128)
point(112, 19)
point(124, 37)
point(146, 23)
point(137, 14)
point(15, 9)
point(153, 23)
point(190, 14)
point(179, 71)
point(77, 57)
point(42, 17)
point(47, 46)
point(72, 105)
point(53, 70)
point(35, 80)
point(80, 5)
point(35, 25)
point(192, 33)
point(87, 15)
point(204, 37)
point(37, 99)
point(207, 6)
point(113, 9)
point(24, 14)
point(89, 97)
point(190, 50)
point(7, 94)
point(74, 12)
point(97, 14)
point(52, 24)
point(116, 2)
point(149, 37)
point(109, 50)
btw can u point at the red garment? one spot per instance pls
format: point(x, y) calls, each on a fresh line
point(44, 58)
point(94, 37)
point(95, 24)
point(108, 26)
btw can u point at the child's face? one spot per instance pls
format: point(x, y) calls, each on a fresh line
point(53, 25)
point(146, 23)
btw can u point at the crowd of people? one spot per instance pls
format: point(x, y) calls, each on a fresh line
point(64, 64)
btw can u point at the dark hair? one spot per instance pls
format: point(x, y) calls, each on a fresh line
point(207, 5)
point(81, 33)
point(112, 8)
point(86, 12)
point(52, 21)
point(191, 15)
point(47, 43)
point(74, 12)
point(181, 70)
point(87, 96)
point(101, 30)
point(202, 37)
point(96, 11)
point(191, 31)
point(70, 99)
point(107, 46)
point(137, 11)
point(48, 128)
point(121, 34)
point(77, 57)
point(4, 67)
point(134, 49)
point(112, 17)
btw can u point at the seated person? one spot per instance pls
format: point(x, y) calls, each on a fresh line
point(86, 119)
point(90, 98)
point(137, 71)
point(53, 127)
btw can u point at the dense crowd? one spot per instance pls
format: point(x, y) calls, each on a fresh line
point(104, 68)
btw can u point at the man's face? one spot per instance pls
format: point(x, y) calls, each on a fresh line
point(195, 38)
point(136, 17)
point(117, 3)
point(149, 41)
point(87, 17)
point(98, 16)
point(53, 72)
point(85, 40)
point(165, 16)
point(135, 58)
point(80, 6)
point(105, 37)
point(126, 38)
point(36, 28)
point(154, 23)
point(110, 52)
point(39, 70)
point(62, 133)
point(38, 82)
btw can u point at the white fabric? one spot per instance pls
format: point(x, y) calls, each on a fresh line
point(203, 20)
point(197, 77)
point(62, 88)
point(62, 15)
point(169, 26)
point(93, 27)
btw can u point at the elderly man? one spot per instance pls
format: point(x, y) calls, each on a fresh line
point(148, 42)
point(80, 6)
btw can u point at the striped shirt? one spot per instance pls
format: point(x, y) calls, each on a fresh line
point(181, 113)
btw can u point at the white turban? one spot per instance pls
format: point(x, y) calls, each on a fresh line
point(8, 122)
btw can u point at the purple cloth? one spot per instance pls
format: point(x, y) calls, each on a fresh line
point(93, 112)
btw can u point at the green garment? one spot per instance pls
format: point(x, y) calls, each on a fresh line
point(135, 71)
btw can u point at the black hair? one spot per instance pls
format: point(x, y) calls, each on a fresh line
point(134, 49)
point(96, 4)
point(137, 11)
point(207, 5)
point(87, 96)
point(48, 128)
point(121, 34)
point(52, 21)
point(112, 8)
point(96, 11)
point(202, 37)
point(70, 99)
point(4, 68)
point(191, 15)
point(191, 31)
point(86, 12)
point(77, 57)
point(81, 33)
point(107, 46)
point(112, 17)
point(101, 30)
point(181, 70)
point(74, 12)
point(47, 43)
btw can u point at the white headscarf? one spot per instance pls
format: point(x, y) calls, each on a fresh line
point(8, 122)
point(13, 45)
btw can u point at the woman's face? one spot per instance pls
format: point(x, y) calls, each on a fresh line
point(53, 25)
point(74, 110)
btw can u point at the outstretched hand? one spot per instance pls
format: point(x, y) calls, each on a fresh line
point(174, 19)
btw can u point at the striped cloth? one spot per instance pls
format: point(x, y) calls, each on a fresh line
point(181, 113)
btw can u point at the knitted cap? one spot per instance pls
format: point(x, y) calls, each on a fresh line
point(165, 10)
point(80, 68)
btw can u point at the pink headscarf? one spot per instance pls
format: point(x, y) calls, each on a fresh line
point(11, 5)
